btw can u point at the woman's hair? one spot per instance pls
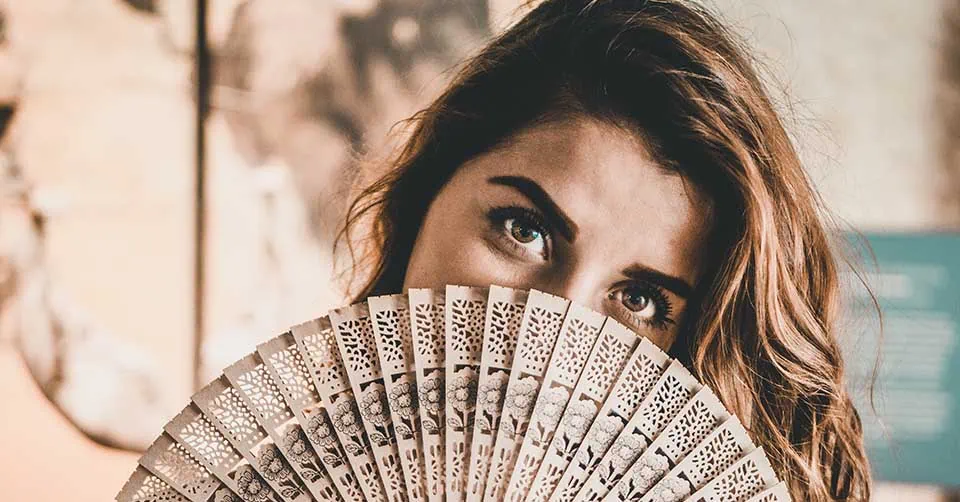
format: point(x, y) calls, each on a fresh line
point(670, 73)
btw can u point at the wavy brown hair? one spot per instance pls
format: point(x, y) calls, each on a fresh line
point(765, 337)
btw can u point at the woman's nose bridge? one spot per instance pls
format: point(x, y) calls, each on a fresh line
point(578, 284)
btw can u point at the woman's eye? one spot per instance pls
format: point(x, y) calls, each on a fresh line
point(639, 302)
point(526, 235)
point(521, 230)
point(646, 304)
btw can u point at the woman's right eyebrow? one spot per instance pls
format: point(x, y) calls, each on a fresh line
point(678, 286)
point(540, 198)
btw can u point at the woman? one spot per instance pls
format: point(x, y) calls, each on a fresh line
point(623, 154)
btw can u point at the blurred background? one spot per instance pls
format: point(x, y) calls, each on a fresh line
point(173, 171)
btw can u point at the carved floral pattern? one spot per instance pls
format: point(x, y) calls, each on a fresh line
point(519, 402)
point(295, 442)
point(490, 398)
point(463, 395)
point(404, 400)
point(272, 464)
point(625, 450)
point(672, 490)
point(431, 400)
point(405, 403)
point(225, 495)
point(346, 418)
point(375, 408)
point(550, 408)
point(577, 420)
point(321, 432)
point(250, 485)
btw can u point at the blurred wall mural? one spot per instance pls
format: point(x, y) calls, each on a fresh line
point(299, 93)
point(97, 168)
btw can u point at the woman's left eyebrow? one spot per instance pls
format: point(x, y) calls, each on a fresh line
point(676, 285)
point(540, 198)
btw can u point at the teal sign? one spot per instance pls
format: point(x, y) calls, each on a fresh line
point(913, 426)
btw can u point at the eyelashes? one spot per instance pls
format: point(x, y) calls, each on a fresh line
point(524, 233)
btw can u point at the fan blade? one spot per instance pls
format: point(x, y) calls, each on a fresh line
point(249, 376)
point(206, 443)
point(778, 493)
point(391, 329)
point(746, 478)
point(571, 353)
point(317, 341)
point(464, 316)
point(288, 367)
point(172, 463)
point(675, 387)
point(427, 327)
point(718, 451)
point(142, 486)
point(358, 351)
point(223, 406)
point(539, 329)
point(500, 329)
point(691, 425)
point(638, 377)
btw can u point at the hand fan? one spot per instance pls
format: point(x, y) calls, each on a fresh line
point(464, 394)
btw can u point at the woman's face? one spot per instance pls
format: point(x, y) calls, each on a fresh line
point(578, 209)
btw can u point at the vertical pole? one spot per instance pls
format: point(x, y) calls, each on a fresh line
point(202, 89)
